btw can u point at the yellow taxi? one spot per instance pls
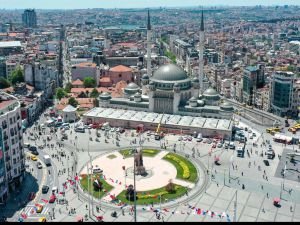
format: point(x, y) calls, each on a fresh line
point(33, 158)
point(42, 219)
point(39, 208)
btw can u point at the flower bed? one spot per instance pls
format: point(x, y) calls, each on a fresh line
point(146, 152)
point(185, 169)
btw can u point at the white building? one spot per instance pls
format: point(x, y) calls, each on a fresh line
point(69, 114)
point(12, 161)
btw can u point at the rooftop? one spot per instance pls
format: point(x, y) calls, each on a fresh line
point(8, 44)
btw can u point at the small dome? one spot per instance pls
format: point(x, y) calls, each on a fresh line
point(210, 92)
point(145, 76)
point(226, 106)
point(137, 95)
point(151, 83)
point(193, 99)
point(201, 103)
point(195, 80)
point(105, 95)
point(176, 85)
point(132, 86)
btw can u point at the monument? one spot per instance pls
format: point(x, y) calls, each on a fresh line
point(138, 161)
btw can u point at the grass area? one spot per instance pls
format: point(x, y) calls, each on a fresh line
point(146, 152)
point(112, 156)
point(171, 56)
point(185, 169)
point(97, 194)
point(152, 196)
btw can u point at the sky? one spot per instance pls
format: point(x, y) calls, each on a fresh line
point(83, 4)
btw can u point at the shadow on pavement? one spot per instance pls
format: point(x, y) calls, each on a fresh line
point(19, 198)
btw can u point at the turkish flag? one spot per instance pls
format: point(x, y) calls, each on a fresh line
point(198, 211)
point(76, 178)
point(24, 216)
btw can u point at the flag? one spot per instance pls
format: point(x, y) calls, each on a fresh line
point(24, 216)
point(199, 211)
point(76, 178)
point(44, 200)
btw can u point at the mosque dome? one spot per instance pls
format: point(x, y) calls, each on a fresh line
point(226, 106)
point(211, 94)
point(195, 79)
point(193, 99)
point(169, 72)
point(105, 96)
point(201, 103)
point(131, 88)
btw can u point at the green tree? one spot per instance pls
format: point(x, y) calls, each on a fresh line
point(73, 102)
point(94, 93)
point(60, 93)
point(89, 82)
point(68, 87)
point(16, 76)
point(4, 83)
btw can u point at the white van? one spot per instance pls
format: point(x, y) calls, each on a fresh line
point(231, 145)
point(26, 145)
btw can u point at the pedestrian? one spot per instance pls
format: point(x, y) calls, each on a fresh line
point(236, 167)
point(243, 186)
point(242, 174)
point(86, 207)
point(267, 195)
point(291, 208)
point(262, 187)
point(266, 178)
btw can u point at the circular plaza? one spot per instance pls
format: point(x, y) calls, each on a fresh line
point(167, 176)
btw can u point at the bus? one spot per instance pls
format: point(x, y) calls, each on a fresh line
point(240, 150)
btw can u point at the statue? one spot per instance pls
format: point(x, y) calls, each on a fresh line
point(139, 167)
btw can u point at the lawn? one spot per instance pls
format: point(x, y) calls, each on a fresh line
point(112, 156)
point(146, 152)
point(152, 196)
point(185, 169)
point(84, 185)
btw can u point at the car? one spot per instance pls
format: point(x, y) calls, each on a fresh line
point(42, 219)
point(35, 153)
point(32, 148)
point(180, 138)
point(249, 131)
point(199, 139)
point(209, 141)
point(80, 129)
point(39, 208)
point(226, 146)
point(26, 145)
point(122, 130)
point(148, 133)
point(118, 130)
point(254, 134)
point(113, 129)
point(33, 158)
point(245, 128)
point(31, 196)
point(97, 170)
point(45, 189)
point(220, 145)
point(52, 198)
point(66, 128)
point(86, 127)
point(266, 162)
point(90, 126)
point(214, 146)
point(251, 137)
point(58, 124)
point(204, 140)
point(54, 189)
point(189, 138)
point(39, 165)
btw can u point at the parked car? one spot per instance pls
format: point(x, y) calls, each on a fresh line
point(220, 145)
point(54, 189)
point(199, 139)
point(35, 152)
point(180, 138)
point(214, 145)
point(45, 189)
point(31, 196)
point(39, 165)
point(209, 141)
point(42, 219)
point(39, 208)
point(266, 162)
point(80, 129)
point(26, 145)
point(204, 140)
point(33, 158)
point(189, 138)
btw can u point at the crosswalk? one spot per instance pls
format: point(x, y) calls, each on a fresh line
point(30, 211)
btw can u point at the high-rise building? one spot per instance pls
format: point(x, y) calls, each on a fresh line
point(282, 93)
point(253, 78)
point(12, 161)
point(29, 18)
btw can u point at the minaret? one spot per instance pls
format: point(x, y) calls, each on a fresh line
point(149, 46)
point(201, 51)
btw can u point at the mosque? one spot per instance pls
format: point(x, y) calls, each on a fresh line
point(170, 90)
point(170, 95)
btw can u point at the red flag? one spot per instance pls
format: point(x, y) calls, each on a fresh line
point(24, 216)
point(76, 178)
point(44, 200)
point(61, 193)
point(199, 211)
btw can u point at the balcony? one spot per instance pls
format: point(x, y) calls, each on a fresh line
point(5, 137)
point(4, 126)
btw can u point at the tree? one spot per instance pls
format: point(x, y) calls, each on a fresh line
point(73, 102)
point(4, 83)
point(68, 87)
point(170, 187)
point(94, 93)
point(60, 93)
point(16, 76)
point(89, 82)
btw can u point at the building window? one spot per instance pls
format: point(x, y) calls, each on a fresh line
point(10, 120)
point(15, 171)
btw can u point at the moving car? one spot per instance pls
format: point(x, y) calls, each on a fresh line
point(42, 219)
point(39, 208)
point(45, 189)
point(31, 196)
point(80, 129)
point(33, 158)
point(266, 162)
point(220, 145)
point(39, 165)
point(54, 189)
